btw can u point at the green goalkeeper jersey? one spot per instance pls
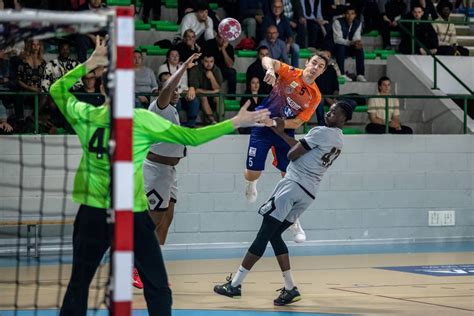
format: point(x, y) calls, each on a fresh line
point(92, 180)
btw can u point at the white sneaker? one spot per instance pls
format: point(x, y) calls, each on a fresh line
point(347, 78)
point(251, 191)
point(299, 235)
point(361, 78)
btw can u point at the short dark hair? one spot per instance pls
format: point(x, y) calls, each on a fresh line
point(444, 4)
point(168, 53)
point(260, 48)
point(322, 57)
point(382, 79)
point(201, 5)
point(207, 54)
point(346, 107)
point(417, 5)
point(349, 7)
point(160, 76)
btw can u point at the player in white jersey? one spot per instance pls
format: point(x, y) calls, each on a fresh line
point(309, 158)
point(159, 172)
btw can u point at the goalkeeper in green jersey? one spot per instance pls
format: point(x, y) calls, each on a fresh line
point(92, 233)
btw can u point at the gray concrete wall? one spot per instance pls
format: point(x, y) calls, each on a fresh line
point(381, 187)
point(439, 116)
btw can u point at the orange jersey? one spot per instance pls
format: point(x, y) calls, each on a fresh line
point(291, 97)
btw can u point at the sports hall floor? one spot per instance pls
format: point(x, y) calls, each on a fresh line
point(333, 280)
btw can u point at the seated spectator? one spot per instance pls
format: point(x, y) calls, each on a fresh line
point(448, 44)
point(188, 45)
point(5, 128)
point(256, 70)
point(188, 102)
point(29, 74)
point(91, 91)
point(251, 17)
point(391, 14)
point(145, 81)
point(376, 112)
point(276, 46)
point(5, 83)
point(223, 53)
point(429, 11)
point(294, 13)
point(57, 67)
point(252, 88)
point(348, 42)
point(207, 78)
point(328, 85)
point(277, 18)
point(318, 15)
point(424, 32)
point(200, 22)
point(84, 42)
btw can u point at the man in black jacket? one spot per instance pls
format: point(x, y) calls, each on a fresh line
point(424, 32)
point(256, 70)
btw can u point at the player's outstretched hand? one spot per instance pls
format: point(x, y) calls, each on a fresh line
point(246, 118)
point(270, 77)
point(192, 60)
point(99, 55)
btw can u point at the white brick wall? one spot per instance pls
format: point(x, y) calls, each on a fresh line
point(380, 187)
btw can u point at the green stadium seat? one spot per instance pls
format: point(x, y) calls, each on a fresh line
point(394, 34)
point(305, 54)
point(351, 131)
point(213, 6)
point(171, 4)
point(241, 77)
point(231, 105)
point(373, 33)
point(119, 2)
point(247, 53)
point(341, 79)
point(166, 27)
point(140, 26)
point(359, 108)
point(370, 55)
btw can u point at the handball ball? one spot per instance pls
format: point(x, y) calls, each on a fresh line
point(229, 29)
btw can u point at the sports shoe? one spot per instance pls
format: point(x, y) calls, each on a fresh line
point(228, 290)
point(361, 78)
point(251, 191)
point(137, 282)
point(287, 297)
point(299, 235)
point(347, 78)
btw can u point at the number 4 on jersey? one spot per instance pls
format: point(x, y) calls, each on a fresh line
point(328, 158)
point(96, 144)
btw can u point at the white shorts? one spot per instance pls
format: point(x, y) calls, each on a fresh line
point(287, 202)
point(161, 185)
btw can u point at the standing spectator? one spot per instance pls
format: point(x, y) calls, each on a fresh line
point(207, 78)
point(251, 15)
point(294, 13)
point(348, 42)
point(277, 18)
point(145, 81)
point(328, 85)
point(148, 6)
point(57, 67)
point(376, 112)
point(85, 41)
point(188, 45)
point(391, 14)
point(276, 46)
point(424, 32)
point(318, 15)
point(189, 102)
point(29, 73)
point(256, 70)
point(200, 22)
point(252, 88)
point(223, 53)
point(448, 44)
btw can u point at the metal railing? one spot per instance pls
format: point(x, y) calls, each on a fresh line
point(436, 60)
point(221, 107)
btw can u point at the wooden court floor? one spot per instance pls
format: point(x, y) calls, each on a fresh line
point(342, 284)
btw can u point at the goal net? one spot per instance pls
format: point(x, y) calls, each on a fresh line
point(40, 154)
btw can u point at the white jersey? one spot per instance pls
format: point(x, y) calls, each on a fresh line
point(324, 144)
point(166, 149)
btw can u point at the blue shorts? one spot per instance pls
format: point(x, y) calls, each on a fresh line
point(261, 140)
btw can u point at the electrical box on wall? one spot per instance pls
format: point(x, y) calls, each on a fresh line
point(442, 218)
